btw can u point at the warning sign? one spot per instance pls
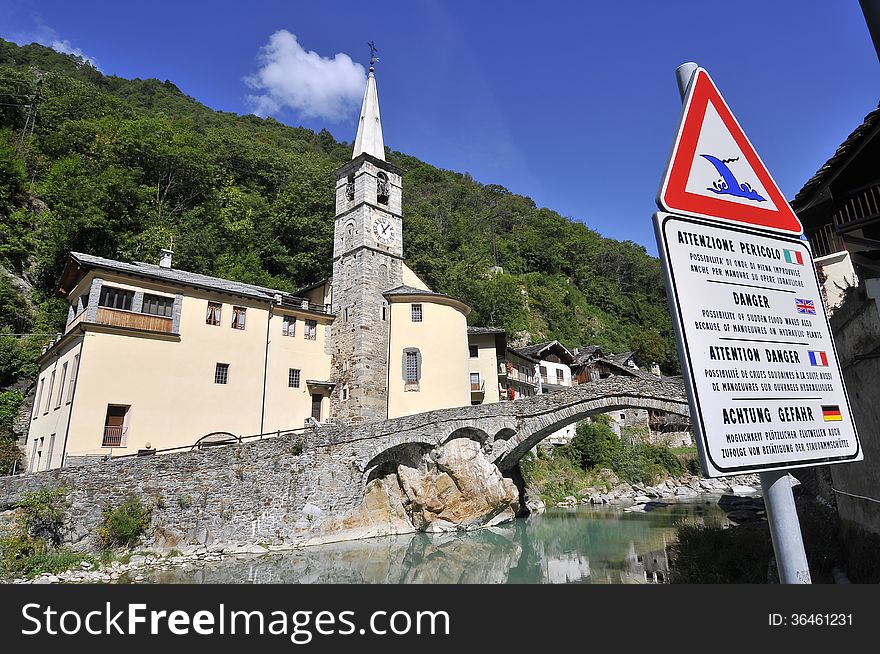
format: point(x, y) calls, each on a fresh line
point(714, 171)
point(758, 359)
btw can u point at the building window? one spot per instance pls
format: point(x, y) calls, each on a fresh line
point(345, 393)
point(412, 369)
point(221, 373)
point(49, 394)
point(116, 298)
point(345, 315)
point(473, 351)
point(157, 305)
point(382, 188)
point(61, 385)
point(293, 378)
point(349, 188)
point(39, 397)
point(288, 326)
point(311, 330)
point(213, 315)
point(73, 373)
point(384, 312)
point(475, 381)
point(416, 313)
point(114, 426)
point(50, 452)
point(560, 376)
point(544, 374)
point(238, 317)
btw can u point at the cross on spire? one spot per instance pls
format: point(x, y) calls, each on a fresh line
point(373, 57)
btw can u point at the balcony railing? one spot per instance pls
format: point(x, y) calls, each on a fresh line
point(858, 208)
point(478, 387)
point(824, 241)
point(303, 303)
point(133, 320)
point(114, 436)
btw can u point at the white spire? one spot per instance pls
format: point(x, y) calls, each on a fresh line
point(369, 134)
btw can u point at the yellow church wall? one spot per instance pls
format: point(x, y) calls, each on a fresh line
point(441, 339)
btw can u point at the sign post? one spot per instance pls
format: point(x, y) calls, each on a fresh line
point(764, 385)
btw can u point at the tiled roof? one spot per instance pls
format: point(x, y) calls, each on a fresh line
point(850, 145)
point(176, 276)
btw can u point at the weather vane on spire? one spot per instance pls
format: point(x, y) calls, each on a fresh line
point(373, 57)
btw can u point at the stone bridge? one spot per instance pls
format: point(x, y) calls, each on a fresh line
point(432, 471)
point(507, 430)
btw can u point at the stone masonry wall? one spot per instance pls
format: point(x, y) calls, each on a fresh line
point(297, 489)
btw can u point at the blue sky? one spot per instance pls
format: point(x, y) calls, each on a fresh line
point(573, 104)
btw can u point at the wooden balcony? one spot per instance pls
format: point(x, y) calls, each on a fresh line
point(478, 388)
point(824, 241)
point(132, 320)
point(858, 208)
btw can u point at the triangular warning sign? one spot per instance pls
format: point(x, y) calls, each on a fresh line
point(714, 171)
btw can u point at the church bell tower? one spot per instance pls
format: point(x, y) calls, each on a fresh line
point(367, 261)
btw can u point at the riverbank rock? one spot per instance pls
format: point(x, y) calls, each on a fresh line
point(458, 487)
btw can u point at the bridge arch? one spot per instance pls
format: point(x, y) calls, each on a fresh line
point(539, 426)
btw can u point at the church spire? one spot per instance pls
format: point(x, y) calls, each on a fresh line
point(369, 134)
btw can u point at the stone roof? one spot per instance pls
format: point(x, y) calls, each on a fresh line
point(538, 349)
point(485, 330)
point(411, 290)
point(850, 146)
point(176, 276)
point(587, 354)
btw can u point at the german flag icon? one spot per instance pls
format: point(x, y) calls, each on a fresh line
point(831, 412)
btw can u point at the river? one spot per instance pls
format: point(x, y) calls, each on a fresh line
point(583, 544)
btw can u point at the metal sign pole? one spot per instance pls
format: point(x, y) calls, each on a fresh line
point(785, 528)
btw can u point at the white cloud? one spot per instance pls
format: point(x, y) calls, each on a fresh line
point(312, 85)
point(65, 47)
point(45, 35)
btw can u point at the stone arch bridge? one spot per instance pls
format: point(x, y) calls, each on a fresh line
point(506, 430)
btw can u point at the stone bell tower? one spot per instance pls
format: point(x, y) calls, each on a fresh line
point(367, 260)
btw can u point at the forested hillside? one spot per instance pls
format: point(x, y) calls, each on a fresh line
point(116, 167)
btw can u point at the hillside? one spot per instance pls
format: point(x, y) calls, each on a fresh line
point(116, 167)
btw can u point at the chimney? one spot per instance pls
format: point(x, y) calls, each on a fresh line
point(655, 369)
point(165, 258)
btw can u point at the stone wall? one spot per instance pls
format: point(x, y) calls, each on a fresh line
point(430, 471)
point(856, 327)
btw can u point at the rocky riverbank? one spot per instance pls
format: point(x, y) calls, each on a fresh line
point(610, 489)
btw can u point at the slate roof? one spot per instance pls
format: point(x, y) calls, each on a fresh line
point(849, 146)
point(586, 354)
point(537, 349)
point(485, 330)
point(411, 290)
point(175, 276)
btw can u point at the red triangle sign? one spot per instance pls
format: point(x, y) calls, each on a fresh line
point(714, 171)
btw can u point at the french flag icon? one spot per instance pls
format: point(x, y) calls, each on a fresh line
point(818, 358)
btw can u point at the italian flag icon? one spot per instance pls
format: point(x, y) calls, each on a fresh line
point(791, 256)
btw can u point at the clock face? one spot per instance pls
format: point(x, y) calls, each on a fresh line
point(383, 230)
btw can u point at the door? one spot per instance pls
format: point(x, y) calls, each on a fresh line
point(316, 406)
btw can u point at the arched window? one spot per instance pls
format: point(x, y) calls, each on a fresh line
point(349, 188)
point(382, 188)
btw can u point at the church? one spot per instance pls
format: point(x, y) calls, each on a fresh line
point(154, 358)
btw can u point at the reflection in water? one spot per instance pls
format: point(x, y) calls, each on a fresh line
point(578, 545)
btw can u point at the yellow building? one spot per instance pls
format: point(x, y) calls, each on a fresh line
point(154, 358)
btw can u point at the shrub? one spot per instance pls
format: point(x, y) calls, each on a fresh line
point(42, 517)
point(124, 525)
point(31, 547)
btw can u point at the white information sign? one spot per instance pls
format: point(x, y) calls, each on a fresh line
point(764, 383)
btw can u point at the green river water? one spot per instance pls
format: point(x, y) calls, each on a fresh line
point(584, 544)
